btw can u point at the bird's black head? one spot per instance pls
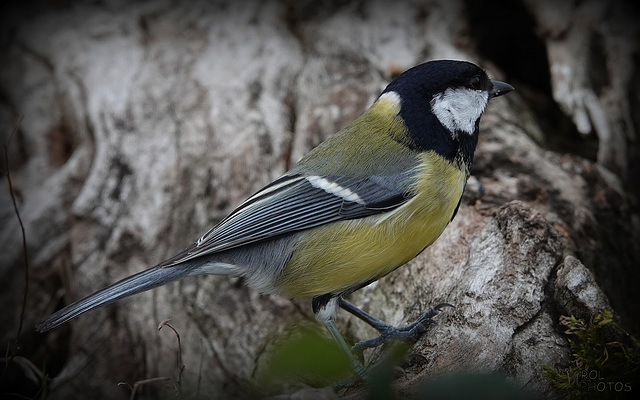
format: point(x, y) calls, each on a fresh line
point(441, 103)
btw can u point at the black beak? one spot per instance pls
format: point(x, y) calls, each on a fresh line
point(499, 88)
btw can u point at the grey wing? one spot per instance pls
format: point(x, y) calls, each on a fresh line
point(294, 203)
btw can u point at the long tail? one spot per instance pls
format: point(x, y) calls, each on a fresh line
point(145, 280)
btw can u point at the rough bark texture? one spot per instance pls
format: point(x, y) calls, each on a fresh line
point(146, 123)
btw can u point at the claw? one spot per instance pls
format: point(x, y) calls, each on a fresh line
point(389, 333)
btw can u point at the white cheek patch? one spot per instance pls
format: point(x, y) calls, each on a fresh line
point(335, 189)
point(459, 109)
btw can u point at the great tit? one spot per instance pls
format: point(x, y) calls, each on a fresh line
point(356, 207)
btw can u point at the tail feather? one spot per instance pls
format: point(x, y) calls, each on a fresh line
point(140, 282)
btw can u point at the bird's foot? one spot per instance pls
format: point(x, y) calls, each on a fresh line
point(388, 333)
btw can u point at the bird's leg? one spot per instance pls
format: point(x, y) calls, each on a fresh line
point(389, 333)
point(325, 308)
point(357, 368)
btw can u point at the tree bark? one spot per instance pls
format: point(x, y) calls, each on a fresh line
point(146, 123)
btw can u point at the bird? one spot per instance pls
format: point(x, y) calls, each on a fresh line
point(356, 207)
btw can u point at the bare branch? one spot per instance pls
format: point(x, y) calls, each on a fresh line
point(5, 148)
point(181, 366)
point(137, 384)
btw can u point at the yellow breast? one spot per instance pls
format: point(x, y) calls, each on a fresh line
point(347, 254)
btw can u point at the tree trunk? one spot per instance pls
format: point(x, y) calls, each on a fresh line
point(146, 123)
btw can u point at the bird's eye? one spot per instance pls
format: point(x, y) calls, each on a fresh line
point(475, 82)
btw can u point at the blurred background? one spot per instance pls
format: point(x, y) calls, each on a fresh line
point(130, 128)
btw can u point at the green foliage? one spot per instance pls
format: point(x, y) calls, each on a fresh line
point(606, 360)
point(305, 355)
point(472, 385)
point(379, 385)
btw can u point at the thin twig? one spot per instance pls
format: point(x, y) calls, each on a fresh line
point(5, 147)
point(137, 384)
point(181, 366)
point(200, 368)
